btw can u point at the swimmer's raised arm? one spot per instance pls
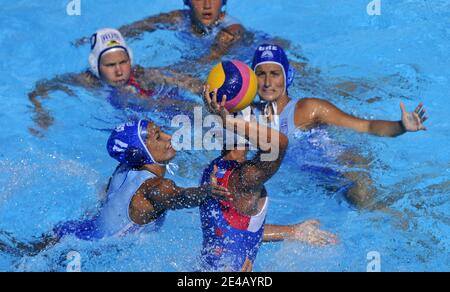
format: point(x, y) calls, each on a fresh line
point(252, 174)
point(307, 232)
point(311, 112)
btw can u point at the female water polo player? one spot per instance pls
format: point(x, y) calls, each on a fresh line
point(275, 75)
point(233, 229)
point(204, 18)
point(138, 195)
point(112, 72)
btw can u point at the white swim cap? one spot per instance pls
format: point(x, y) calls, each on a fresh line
point(104, 41)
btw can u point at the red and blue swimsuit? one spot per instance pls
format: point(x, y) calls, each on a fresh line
point(229, 237)
point(119, 100)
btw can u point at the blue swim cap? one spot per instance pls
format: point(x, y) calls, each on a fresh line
point(188, 2)
point(273, 54)
point(127, 144)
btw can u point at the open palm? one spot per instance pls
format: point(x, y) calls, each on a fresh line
point(413, 121)
point(309, 232)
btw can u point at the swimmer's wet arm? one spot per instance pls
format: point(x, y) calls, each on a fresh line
point(254, 173)
point(224, 41)
point(21, 249)
point(44, 87)
point(190, 197)
point(312, 112)
point(258, 134)
point(61, 83)
point(171, 77)
point(193, 197)
point(307, 232)
point(166, 195)
point(386, 128)
point(166, 21)
point(274, 233)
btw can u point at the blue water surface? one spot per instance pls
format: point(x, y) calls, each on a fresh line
point(401, 55)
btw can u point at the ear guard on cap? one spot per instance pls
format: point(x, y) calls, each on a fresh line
point(274, 54)
point(93, 41)
point(135, 157)
point(127, 145)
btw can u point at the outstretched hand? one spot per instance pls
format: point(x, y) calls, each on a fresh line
point(413, 121)
point(212, 104)
point(309, 232)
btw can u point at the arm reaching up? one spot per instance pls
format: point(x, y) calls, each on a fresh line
point(271, 144)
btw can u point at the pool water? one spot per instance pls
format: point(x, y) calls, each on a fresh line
point(61, 174)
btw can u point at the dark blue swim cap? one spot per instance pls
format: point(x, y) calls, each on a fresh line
point(273, 54)
point(127, 144)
